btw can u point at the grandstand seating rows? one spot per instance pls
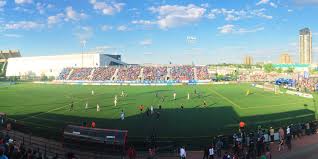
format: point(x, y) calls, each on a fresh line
point(134, 73)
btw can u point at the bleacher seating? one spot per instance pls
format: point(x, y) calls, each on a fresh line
point(136, 72)
point(182, 72)
point(103, 73)
point(65, 72)
point(80, 74)
point(154, 73)
point(202, 72)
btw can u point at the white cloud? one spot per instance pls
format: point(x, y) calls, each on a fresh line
point(71, 14)
point(226, 29)
point(289, 10)
point(273, 4)
point(42, 7)
point(234, 15)
point(25, 25)
point(12, 35)
point(122, 28)
point(51, 20)
point(2, 3)
point(22, 1)
point(106, 28)
point(170, 16)
point(83, 33)
point(107, 8)
point(145, 42)
point(232, 29)
point(143, 22)
point(262, 2)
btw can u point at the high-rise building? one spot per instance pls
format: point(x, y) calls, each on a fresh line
point(305, 46)
point(248, 60)
point(285, 59)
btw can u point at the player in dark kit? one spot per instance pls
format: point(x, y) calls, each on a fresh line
point(72, 105)
point(204, 103)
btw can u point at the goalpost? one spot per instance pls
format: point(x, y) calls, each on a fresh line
point(268, 87)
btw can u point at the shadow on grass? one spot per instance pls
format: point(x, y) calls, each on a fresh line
point(188, 125)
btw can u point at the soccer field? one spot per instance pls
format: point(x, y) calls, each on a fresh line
point(48, 106)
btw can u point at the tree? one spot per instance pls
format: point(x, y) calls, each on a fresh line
point(268, 68)
point(290, 70)
point(280, 70)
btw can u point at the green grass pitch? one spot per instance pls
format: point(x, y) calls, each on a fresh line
point(47, 106)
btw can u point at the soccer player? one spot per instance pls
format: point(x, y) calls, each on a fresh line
point(182, 106)
point(141, 108)
point(72, 105)
point(122, 93)
point(188, 96)
point(122, 115)
point(204, 103)
point(248, 92)
point(195, 91)
point(174, 95)
point(97, 108)
point(151, 109)
point(86, 106)
point(162, 98)
point(93, 92)
point(115, 101)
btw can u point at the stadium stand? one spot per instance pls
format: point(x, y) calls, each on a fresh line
point(64, 74)
point(152, 73)
point(135, 73)
point(103, 73)
point(128, 73)
point(202, 72)
point(182, 72)
point(81, 74)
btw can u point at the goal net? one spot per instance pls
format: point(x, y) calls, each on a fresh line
point(269, 87)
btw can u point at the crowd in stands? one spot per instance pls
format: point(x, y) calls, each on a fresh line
point(64, 73)
point(154, 73)
point(184, 72)
point(103, 73)
point(133, 72)
point(80, 74)
point(202, 72)
point(128, 73)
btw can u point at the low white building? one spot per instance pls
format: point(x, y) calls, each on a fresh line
point(53, 65)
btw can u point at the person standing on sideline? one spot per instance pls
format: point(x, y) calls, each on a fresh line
point(86, 106)
point(115, 101)
point(281, 133)
point(183, 153)
point(271, 133)
point(211, 152)
point(151, 109)
point(174, 96)
point(122, 115)
point(188, 96)
point(72, 106)
point(97, 108)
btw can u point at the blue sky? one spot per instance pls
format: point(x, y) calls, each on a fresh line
point(154, 31)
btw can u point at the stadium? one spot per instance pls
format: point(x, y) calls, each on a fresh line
point(166, 106)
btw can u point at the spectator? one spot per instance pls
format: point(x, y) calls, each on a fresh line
point(131, 153)
point(211, 152)
point(271, 133)
point(183, 153)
